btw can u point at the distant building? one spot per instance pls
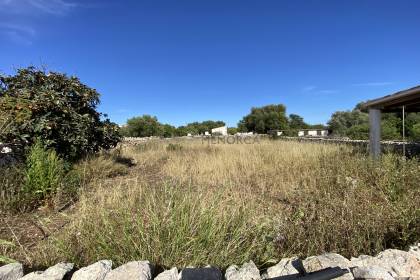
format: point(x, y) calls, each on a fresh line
point(219, 131)
point(310, 132)
point(313, 132)
point(244, 133)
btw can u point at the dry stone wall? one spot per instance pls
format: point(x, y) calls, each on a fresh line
point(388, 265)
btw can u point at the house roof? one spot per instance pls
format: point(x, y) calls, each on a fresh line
point(410, 98)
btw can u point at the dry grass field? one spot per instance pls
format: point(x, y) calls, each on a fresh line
point(188, 202)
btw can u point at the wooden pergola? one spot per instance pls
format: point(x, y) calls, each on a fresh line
point(402, 101)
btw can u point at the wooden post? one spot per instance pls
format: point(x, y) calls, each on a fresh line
point(403, 123)
point(375, 132)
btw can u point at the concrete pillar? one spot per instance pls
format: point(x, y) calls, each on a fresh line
point(375, 132)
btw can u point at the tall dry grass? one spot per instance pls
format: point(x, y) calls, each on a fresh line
point(220, 204)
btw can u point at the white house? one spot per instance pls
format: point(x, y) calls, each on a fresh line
point(220, 130)
point(313, 132)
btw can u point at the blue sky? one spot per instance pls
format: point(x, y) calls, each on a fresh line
point(193, 60)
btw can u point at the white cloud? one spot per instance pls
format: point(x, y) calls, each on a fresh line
point(55, 7)
point(18, 17)
point(309, 88)
point(33, 7)
point(328, 91)
point(316, 90)
point(19, 34)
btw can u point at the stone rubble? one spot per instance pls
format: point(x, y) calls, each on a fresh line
point(315, 263)
point(96, 271)
point(56, 272)
point(131, 270)
point(11, 271)
point(388, 265)
point(284, 268)
point(171, 274)
point(248, 271)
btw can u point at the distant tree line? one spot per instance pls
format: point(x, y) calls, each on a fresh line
point(146, 126)
point(271, 118)
point(259, 120)
point(353, 124)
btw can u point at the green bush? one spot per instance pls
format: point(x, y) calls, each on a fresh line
point(416, 132)
point(55, 109)
point(174, 147)
point(44, 172)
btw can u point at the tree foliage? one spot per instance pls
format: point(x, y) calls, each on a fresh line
point(232, 130)
point(202, 127)
point(58, 110)
point(355, 124)
point(144, 126)
point(264, 119)
point(297, 122)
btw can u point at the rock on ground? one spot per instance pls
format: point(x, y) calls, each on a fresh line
point(204, 273)
point(171, 274)
point(248, 271)
point(96, 271)
point(371, 272)
point(315, 263)
point(415, 250)
point(56, 272)
point(283, 268)
point(131, 271)
point(12, 271)
point(398, 263)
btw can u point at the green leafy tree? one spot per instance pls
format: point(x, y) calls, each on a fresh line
point(391, 127)
point(358, 131)
point(232, 130)
point(317, 126)
point(58, 110)
point(181, 131)
point(144, 126)
point(415, 132)
point(242, 126)
point(355, 124)
point(168, 131)
point(412, 122)
point(341, 121)
point(201, 127)
point(264, 119)
point(297, 122)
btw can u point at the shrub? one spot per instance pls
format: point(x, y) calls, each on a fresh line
point(44, 172)
point(174, 147)
point(102, 166)
point(416, 132)
point(55, 109)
